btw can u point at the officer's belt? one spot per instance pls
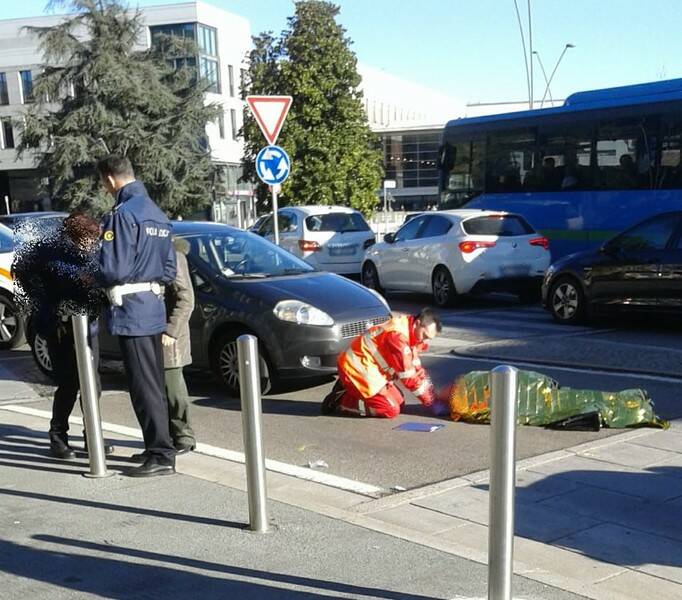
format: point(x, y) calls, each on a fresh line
point(116, 293)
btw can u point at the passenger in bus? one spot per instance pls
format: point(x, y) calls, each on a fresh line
point(627, 175)
point(550, 176)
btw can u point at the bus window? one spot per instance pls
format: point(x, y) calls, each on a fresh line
point(625, 154)
point(669, 174)
point(564, 158)
point(510, 163)
point(462, 168)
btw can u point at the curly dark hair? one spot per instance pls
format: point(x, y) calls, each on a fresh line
point(80, 227)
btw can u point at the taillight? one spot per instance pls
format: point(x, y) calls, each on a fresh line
point(540, 241)
point(308, 246)
point(368, 243)
point(469, 246)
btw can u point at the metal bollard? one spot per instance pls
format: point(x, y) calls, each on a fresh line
point(502, 482)
point(249, 390)
point(89, 398)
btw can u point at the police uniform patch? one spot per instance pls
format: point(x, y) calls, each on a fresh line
point(108, 236)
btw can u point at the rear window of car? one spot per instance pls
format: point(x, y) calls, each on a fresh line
point(337, 222)
point(503, 225)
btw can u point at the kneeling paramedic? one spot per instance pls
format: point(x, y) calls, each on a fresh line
point(376, 360)
point(137, 257)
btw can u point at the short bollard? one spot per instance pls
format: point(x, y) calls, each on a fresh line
point(249, 390)
point(89, 398)
point(502, 482)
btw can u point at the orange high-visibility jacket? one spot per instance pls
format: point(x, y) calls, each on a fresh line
point(381, 355)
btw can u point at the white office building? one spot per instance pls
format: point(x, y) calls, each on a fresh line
point(223, 40)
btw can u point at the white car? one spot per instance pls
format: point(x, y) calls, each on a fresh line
point(11, 325)
point(456, 252)
point(330, 238)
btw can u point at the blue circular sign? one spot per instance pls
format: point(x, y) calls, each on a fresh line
point(272, 165)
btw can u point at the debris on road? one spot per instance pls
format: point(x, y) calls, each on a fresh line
point(318, 464)
point(424, 427)
point(541, 401)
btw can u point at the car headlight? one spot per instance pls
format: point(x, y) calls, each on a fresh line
point(302, 313)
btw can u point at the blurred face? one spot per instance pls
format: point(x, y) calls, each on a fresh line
point(425, 333)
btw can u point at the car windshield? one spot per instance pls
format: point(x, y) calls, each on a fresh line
point(337, 222)
point(240, 254)
point(501, 225)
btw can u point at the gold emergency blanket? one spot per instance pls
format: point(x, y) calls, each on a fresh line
point(542, 402)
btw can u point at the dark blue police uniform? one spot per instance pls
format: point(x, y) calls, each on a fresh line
point(137, 249)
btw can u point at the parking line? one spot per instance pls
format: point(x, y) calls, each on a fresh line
point(534, 365)
point(334, 481)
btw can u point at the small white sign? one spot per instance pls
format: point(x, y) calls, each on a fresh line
point(389, 184)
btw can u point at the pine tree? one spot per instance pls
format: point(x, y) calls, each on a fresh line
point(335, 157)
point(109, 96)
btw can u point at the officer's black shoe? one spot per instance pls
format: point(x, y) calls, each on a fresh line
point(108, 449)
point(140, 457)
point(152, 467)
point(59, 447)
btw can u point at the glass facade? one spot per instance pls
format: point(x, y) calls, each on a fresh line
point(410, 158)
point(7, 133)
point(4, 96)
point(26, 86)
point(233, 118)
point(206, 39)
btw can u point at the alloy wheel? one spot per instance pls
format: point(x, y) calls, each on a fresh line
point(228, 363)
point(441, 287)
point(42, 353)
point(8, 322)
point(565, 301)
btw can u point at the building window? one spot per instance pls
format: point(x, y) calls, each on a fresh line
point(230, 75)
point(207, 41)
point(7, 133)
point(182, 30)
point(208, 70)
point(233, 119)
point(4, 97)
point(221, 125)
point(26, 86)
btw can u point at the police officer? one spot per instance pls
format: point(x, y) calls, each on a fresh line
point(136, 258)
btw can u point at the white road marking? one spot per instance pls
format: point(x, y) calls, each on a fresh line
point(535, 365)
point(275, 466)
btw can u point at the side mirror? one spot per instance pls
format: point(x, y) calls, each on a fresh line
point(389, 238)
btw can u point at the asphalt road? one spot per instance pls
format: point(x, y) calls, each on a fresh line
point(372, 451)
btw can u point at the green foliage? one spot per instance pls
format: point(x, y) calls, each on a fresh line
point(109, 96)
point(335, 157)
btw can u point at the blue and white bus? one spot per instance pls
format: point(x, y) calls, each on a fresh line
point(580, 172)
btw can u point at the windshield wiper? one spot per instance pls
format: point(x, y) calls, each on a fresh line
point(296, 271)
point(248, 276)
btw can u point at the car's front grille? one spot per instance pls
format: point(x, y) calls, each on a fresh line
point(350, 330)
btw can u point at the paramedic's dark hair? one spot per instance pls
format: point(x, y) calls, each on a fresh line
point(116, 166)
point(426, 317)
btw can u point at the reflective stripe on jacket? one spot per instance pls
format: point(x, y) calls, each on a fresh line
point(365, 363)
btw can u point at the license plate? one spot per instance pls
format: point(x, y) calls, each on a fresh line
point(514, 271)
point(342, 250)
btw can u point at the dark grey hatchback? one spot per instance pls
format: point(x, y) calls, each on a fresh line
point(639, 269)
point(303, 318)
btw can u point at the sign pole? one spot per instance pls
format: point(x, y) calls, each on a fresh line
point(275, 216)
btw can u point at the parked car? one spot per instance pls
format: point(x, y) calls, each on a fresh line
point(303, 318)
point(14, 220)
point(330, 238)
point(456, 252)
point(255, 226)
point(639, 269)
point(11, 324)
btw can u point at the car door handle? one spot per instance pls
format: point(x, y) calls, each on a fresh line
point(405, 249)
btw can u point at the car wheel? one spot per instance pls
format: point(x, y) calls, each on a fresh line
point(443, 287)
point(41, 354)
point(225, 364)
point(370, 277)
point(11, 325)
point(567, 301)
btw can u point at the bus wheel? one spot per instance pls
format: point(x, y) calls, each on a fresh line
point(443, 287)
point(567, 301)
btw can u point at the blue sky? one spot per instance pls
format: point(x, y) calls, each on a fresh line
point(471, 49)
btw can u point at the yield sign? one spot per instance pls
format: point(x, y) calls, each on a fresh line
point(269, 112)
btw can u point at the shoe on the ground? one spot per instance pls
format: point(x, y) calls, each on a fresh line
point(59, 448)
point(332, 401)
point(184, 448)
point(140, 457)
point(152, 467)
point(108, 449)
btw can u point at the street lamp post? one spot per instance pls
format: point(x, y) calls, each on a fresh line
point(544, 75)
point(556, 66)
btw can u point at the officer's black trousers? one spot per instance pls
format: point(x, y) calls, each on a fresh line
point(62, 352)
point(143, 360)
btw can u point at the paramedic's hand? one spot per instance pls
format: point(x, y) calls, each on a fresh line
point(167, 340)
point(425, 392)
